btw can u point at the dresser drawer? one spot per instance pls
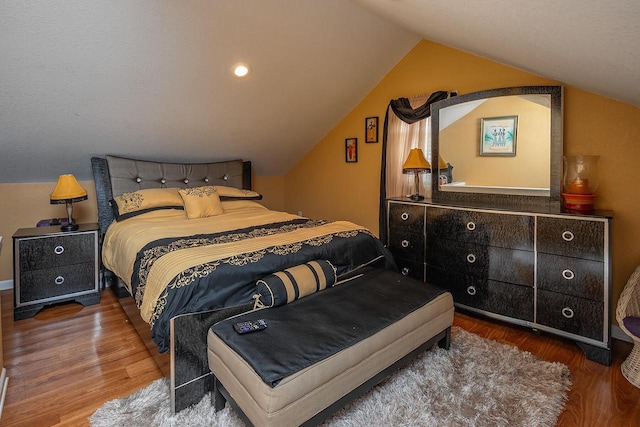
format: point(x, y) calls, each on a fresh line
point(403, 244)
point(37, 285)
point(406, 218)
point(414, 269)
point(503, 265)
point(571, 314)
point(45, 252)
point(483, 294)
point(568, 237)
point(490, 229)
point(572, 276)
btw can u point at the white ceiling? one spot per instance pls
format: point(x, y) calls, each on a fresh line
point(152, 79)
point(590, 44)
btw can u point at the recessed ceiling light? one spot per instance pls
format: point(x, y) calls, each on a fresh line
point(241, 70)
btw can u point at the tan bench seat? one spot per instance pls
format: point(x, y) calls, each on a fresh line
point(314, 392)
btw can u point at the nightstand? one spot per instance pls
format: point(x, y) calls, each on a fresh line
point(51, 266)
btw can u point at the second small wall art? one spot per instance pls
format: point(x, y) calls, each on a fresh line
point(351, 150)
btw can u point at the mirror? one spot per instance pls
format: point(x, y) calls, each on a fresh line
point(500, 146)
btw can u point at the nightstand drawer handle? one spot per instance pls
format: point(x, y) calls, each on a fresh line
point(58, 249)
point(471, 258)
point(405, 243)
point(405, 271)
point(471, 226)
point(404, 216)
point(471, 290)
point(59, 280)
point(568, 236)
point(567, 312)
point(568, 274)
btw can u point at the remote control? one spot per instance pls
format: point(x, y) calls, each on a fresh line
point(250, 326)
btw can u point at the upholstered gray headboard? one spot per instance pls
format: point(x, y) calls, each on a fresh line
point(116, 175)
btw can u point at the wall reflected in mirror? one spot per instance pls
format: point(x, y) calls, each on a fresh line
point(524, 168)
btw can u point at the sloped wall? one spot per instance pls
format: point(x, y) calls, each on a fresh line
point(322, 185)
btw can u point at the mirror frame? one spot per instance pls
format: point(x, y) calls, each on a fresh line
point(497, 198)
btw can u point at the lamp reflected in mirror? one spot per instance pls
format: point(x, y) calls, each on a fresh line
point(68, 191)
point(416, 164)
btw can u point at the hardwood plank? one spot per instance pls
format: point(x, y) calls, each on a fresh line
point(599, 396)
point(68, 360)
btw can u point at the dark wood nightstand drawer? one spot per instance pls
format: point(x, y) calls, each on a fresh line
point(572, 276)
point(55, 251)
point(39, 285)
point(571, 314)
point(573, 238)
point(490, 229)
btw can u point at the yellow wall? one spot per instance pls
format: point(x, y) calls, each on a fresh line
point(23, 205)
point(460, 146)
point(322, 185)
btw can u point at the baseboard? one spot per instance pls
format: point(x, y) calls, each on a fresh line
point(618, 333)
point(6, 284)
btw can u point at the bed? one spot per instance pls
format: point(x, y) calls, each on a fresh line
point(183, 245)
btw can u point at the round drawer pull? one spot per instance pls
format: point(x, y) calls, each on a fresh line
point(471, 290)
point(405, 243)
point(568, 274)
point(59, 280)
point(58, 249)
point(404, 216)
point(471, 226)
point(567, 236)
point(567, 312)
point(405, 271)
point(471, 258)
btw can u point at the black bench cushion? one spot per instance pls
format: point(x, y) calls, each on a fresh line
point(309, 330)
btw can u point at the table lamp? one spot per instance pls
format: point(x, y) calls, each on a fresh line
point(416, 163)
point(68, 191)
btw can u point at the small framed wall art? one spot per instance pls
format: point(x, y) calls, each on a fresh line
point(351, 150)
point(371, 129)
point(498, 136)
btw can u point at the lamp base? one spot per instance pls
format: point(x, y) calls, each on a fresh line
point(69, 227)
point(416, 197)
point(579, 202)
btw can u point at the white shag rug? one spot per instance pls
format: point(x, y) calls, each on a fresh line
point(478, 382)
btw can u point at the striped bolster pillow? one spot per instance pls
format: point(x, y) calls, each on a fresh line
point(294, 283)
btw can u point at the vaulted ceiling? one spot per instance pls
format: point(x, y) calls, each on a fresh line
point(152, 79)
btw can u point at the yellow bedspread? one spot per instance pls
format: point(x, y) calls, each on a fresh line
point(125, 239)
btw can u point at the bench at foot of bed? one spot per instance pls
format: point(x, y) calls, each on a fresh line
point(321, 352)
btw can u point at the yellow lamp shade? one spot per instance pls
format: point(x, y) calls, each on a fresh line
point(415, 162)
point(441, 163)
point(68, 188)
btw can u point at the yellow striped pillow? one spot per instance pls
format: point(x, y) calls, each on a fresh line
point(294, 283)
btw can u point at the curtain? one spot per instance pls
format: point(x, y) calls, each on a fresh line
point(407, 125)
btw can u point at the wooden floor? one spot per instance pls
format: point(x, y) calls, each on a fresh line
point(68, 360)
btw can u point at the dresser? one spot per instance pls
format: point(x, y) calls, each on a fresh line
point(52, 266)
point(547, 270)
